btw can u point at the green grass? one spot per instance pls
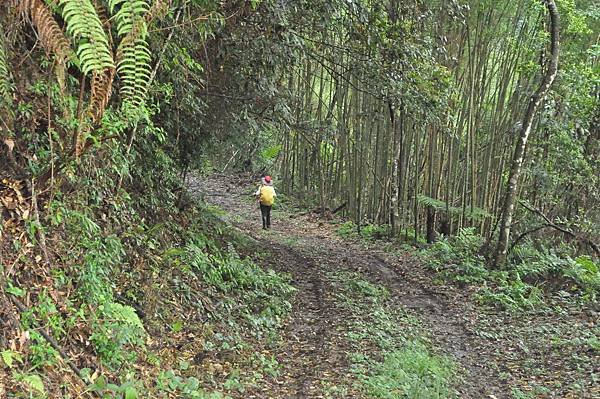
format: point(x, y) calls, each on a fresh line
point(410, 372)
point(392, 356)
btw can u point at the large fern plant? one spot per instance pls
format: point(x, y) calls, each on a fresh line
point(88, 27)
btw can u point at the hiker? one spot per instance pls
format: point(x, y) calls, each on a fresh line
point(266, 196)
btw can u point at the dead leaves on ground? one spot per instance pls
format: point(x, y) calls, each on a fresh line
point(14, 207)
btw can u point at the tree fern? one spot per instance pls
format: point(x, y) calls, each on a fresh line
point(431, 202)
point(85, 26)
point(85, 23)
point(476, 214)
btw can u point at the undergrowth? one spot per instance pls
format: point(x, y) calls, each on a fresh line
point(392, 356)
point(531, 278)
point(534, 275)
point(141, 308)
point(372, 232)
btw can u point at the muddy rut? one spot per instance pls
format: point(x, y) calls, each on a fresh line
point(313, 350)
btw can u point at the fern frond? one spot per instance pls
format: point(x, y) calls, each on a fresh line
point(102, 81)
point(129, 11)
point(133, 65)
point(101, 91)
point(6, 91)
point(431, 202)
point(5, 76)
point(49, 32)
point(84, 25)
point(133, 53)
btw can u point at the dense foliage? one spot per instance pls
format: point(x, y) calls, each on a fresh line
point(398, 116)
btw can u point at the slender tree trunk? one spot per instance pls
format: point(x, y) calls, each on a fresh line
point(394, 210)
point(517, 160)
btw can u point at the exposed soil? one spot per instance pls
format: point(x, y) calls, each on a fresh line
point(313, 350)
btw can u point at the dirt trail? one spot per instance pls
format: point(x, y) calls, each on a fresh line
point(313, 355)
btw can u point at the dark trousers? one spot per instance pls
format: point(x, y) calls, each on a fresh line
point(265, 211)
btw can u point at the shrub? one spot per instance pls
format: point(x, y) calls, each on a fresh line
point(458, 257)
point(512, 294)
point(347, 230)
point(369, 232)
point(586, 274)
point(580, 273)
point(117, 330)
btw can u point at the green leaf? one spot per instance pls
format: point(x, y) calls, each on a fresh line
point(9, 357)
point(16, 291)
point(177, 326)
point(131, 393)
point(184, 365)
point(35, 382)
point(586, 263)
point(100, 383)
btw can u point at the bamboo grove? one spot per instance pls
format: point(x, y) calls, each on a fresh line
point(418, 133)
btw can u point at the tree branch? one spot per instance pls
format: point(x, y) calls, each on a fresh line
point(550, 223)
